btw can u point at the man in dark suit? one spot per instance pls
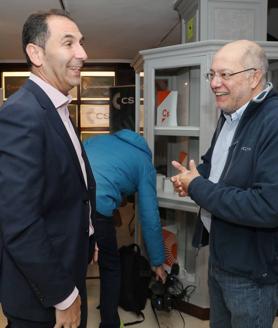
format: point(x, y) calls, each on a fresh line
point(47, 193)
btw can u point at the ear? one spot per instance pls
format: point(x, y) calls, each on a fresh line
point(35, 54)
point(256, 78)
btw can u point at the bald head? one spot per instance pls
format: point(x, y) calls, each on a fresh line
point(247, 54)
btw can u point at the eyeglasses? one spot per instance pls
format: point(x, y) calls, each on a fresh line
point(225, 75)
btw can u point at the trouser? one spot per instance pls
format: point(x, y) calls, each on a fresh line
point(239, 302)
point(110, 271)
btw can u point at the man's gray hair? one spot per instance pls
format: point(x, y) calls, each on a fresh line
point(255, 56)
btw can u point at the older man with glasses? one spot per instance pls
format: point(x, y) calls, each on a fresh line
point(236, 188)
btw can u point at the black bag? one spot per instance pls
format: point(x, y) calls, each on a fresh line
point(135, 278)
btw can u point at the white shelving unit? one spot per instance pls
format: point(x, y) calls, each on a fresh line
point(183, 67)
point(173, 201)
point(186, 131)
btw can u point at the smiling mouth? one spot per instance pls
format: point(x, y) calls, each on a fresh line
point(221, 94)
point(75, 68)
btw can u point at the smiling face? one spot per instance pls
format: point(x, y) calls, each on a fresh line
point(60, 61)
point(233, 93)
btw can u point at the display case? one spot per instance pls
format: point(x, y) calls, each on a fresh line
point(12, 81)
point(180, 70)
point(89, 109)
point(94, 102)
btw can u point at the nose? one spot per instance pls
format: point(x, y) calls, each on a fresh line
point(81, 53)
point(216, 81)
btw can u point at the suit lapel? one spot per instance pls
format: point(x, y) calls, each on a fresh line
point(55, 120)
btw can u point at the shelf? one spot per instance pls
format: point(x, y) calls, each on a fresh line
point(173, 201)
point(187, 131)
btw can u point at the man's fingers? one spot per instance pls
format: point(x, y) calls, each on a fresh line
point(173, 179)
point(178, 166)
point(192, 165)
point(95, 258)
point(183, 193)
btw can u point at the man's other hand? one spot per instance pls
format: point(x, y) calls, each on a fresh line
point(70, 317)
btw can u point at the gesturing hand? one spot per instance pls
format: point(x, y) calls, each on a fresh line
point(182, 180)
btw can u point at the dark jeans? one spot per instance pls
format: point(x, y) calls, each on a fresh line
point(110, 271)
point(238, 302)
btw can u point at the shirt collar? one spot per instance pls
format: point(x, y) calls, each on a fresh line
point(58, 98)
point(235, 116)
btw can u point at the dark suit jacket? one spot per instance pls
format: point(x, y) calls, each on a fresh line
point(44, 207)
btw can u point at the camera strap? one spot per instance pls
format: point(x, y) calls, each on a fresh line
point(155, 314)
point(131, 323)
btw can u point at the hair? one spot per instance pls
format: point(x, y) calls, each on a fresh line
point(35, 29)
point(255, 56)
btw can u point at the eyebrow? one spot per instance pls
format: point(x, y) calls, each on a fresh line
point(71, 36)
point(220, 70)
